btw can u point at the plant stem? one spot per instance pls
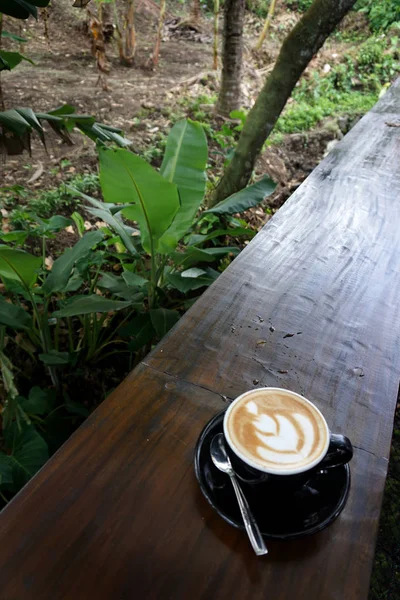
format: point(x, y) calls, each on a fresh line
point(44, 251)
point(156, 52)
point(2, 106)
point(153, 277)
point(57, 336)
point(266, 24)
point(95, 279)
point(70, 336)
point(216, 17)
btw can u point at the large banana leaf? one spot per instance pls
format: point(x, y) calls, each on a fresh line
point(246, 198)
point(19, 9)
point(12, 59)
point(28, 452)
point(184, 163)
point(153, 201)
point(84, 305)
point(103, 212)
point(19, 123)
point(18, 265)
point(62, 268)
point(14, 316)
point(163, 319)
point(13, 37)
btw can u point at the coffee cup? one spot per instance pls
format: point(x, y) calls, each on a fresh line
point(277, 435)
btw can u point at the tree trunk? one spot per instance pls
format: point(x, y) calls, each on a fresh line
point(196, 11)
point(266, 24)
point(2, 107)
point(216, 28)
point(156, 52)
point(229, 95)
point(299, 47)
point(130, 33)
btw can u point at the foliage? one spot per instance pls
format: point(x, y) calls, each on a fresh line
point(115, 292)
point(17, 125)
point(47, 202)
point(382, 14)
point(351, 87)
point(22, 9)
point(299, 5)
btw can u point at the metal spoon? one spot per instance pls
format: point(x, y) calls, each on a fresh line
point(221, 460)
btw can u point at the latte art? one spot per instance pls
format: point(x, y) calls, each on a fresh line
point(277, 430)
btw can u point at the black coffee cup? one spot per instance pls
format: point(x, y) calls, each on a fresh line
point(336, 451)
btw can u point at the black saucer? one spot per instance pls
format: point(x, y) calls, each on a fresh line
point(279, 515)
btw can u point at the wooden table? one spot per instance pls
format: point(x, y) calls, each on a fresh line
point(117, 513)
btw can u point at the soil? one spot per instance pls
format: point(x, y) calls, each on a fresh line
point(142, 101)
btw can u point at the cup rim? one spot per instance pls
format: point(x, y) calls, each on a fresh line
point(255, 465)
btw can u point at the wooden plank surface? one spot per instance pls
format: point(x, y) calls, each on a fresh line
point(326, 272)
point(117, 513)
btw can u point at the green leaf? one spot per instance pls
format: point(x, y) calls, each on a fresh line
point(4, 66)
point(14, 316)
point(62, 268)
point(74, 283)
point(14, 122)
point(116, 223)
point(6, 478)
point(198, 238)
point(79, 222)
point(193, 273)
point(12, 36)
point(134, 280)
point(19, 8)
point(163, 320)
point(18, 265)
point(59, 222)
point(85, 305)
point(246, 198)
point(188, 284)
point(40, 401)
point(40, 3)
point(28, 449)
point(193, 255)
point(128, 179)
point(76, 408)
point(29, 116)
point(54, 358)
point(13, 58)
point(16, 236)
point(184, 163)
point(141, 329)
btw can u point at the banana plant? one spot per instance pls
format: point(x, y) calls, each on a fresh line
point(18, 124)
point(166, 206)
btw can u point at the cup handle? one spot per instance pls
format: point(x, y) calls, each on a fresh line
point(340, 452)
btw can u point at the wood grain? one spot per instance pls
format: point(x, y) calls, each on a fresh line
point(324, 271)
point(117, 513)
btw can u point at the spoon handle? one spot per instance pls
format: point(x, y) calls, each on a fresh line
point(252, 529)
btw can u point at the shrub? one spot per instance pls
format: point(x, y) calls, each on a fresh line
point(381, 13)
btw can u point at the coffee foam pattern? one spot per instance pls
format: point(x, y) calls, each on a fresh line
point(277, 430)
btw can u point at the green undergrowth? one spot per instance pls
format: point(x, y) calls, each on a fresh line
point(17, 199)
point(351, 87)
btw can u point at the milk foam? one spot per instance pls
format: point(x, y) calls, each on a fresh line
point(277, 430)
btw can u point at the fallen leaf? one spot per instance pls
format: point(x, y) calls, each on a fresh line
point(48, 261)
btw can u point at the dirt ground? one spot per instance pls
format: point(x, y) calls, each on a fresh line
point(141, 101)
